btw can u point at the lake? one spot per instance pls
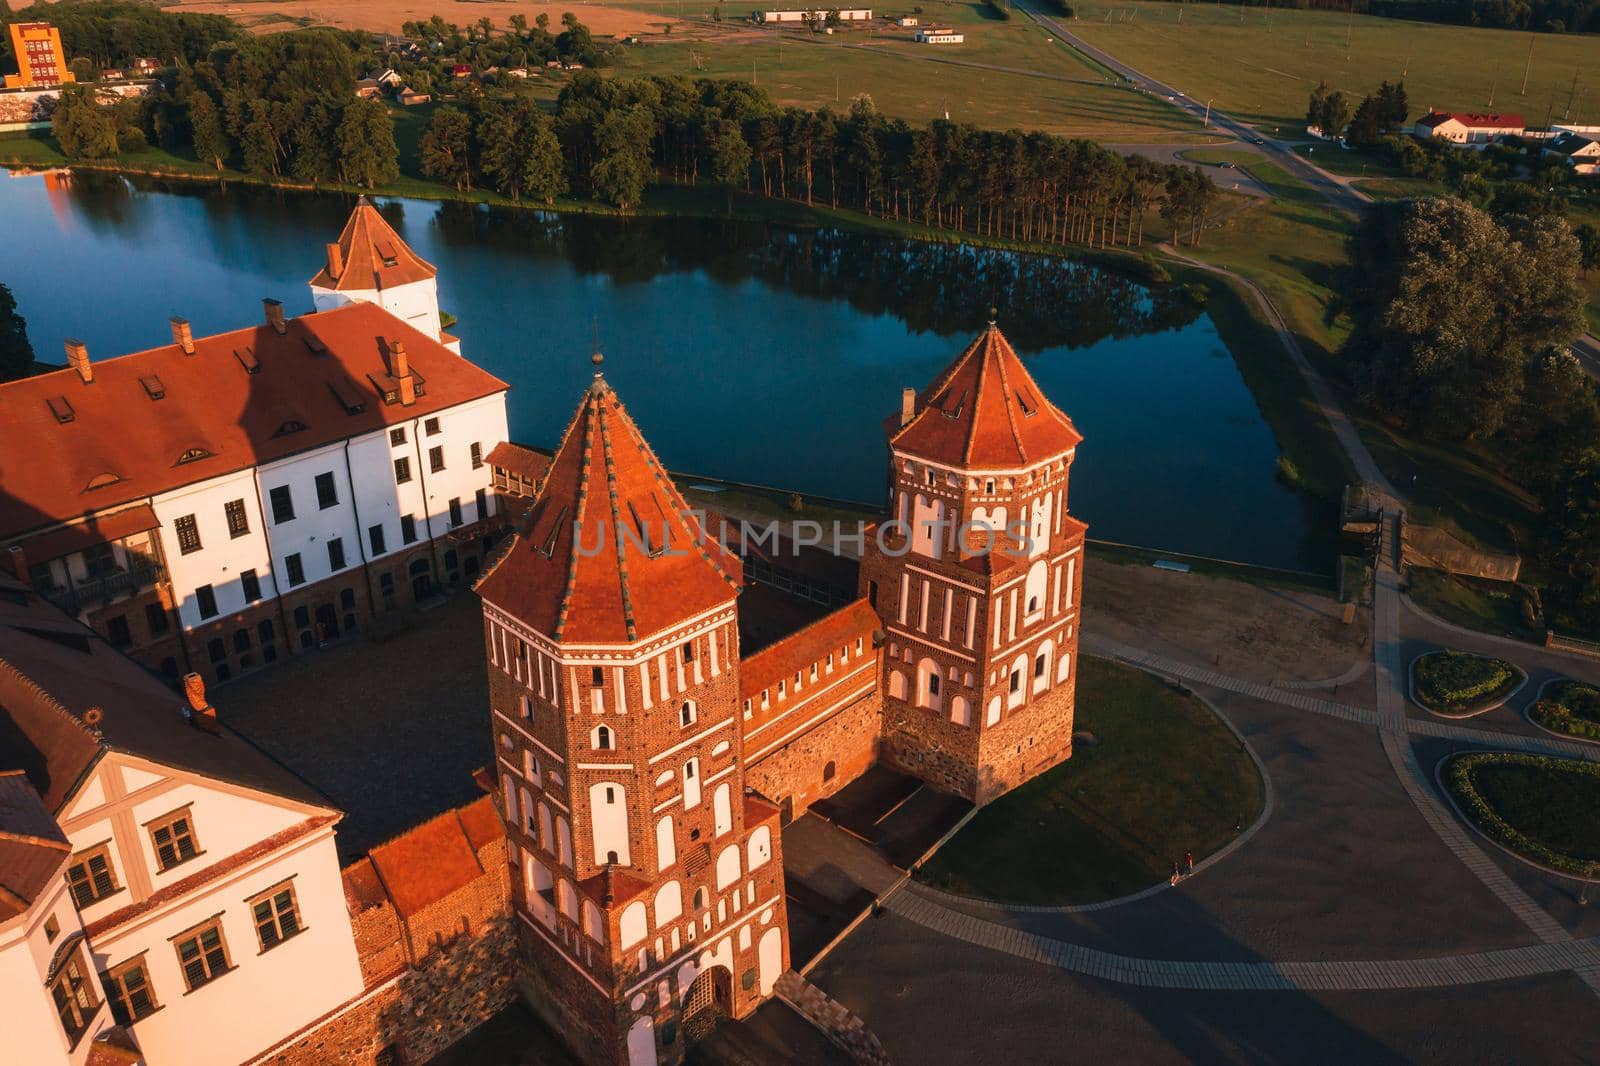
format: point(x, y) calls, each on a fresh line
point(745, 351)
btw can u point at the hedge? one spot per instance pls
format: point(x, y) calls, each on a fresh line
point(1454, 681)
point(1569, 707)
point(1458, 778)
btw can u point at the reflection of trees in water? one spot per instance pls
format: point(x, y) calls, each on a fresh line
point(1044, 301)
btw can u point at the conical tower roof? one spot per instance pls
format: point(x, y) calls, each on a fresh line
point(642, 565)
point(985, 412)
point(371, 256)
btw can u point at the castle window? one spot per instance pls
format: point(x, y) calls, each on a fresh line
point(202, 955)
point(90, 877)
point(173, 840)
point(397, 436)
point(688, 651)
point(277, 917)
point(238, 519)
point(988, 487)
point(1016, 681)
point(687, 714)
point(476, 452)
point(933, 684)
point(431, 426)
point(1040, 664)
point(188, 534)
point(603, 740)
point(597, 676)
point(402, 470)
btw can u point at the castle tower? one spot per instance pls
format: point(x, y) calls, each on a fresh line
point(369, 263)
point(977, 578)
point(647, 886)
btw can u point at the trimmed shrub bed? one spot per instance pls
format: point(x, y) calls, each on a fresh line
point(1539, 807)
point(1569, 707)
point(1459, 683)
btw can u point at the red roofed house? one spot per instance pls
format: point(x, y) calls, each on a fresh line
point(164, 873)
point(220, 502)
point(646, 765)
point(1475, 130)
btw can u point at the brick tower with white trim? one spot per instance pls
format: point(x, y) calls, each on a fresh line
point(977, 578)
point(647, 885)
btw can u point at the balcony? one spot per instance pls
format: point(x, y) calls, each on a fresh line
point(95, 592)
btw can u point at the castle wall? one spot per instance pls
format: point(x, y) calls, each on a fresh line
point(430, 976)
point(821, 761)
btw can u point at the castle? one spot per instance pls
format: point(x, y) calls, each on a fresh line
point(644, 764)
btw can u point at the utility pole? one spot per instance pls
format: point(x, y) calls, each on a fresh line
point(1207, 124)
point(1526, 69)
point(1571, 94)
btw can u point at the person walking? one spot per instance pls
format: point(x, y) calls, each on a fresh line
point(1173, 880)
point(1188, 863)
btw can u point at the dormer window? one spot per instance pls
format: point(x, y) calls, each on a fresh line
point(1025, 402)
point(101, 480)
point(294, 425)
point(193, 455)
point(153, 387)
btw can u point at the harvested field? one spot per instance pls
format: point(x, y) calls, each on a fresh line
point(386, 16)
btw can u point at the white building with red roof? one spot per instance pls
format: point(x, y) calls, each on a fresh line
point(1472, 129)
point(219, 502)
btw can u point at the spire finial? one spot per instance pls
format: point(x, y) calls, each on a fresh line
point(597, 359)
point(994, 314)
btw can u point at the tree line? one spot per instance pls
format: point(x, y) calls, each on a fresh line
point(1463, 322)
point(1545, 16)
point(616, 137)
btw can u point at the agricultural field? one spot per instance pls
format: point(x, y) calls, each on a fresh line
point(912, 82)
point(1261, 63)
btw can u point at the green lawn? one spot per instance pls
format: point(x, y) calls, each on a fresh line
point(1539, 807)
point(1487, 606)
point(1165, 776)
point(1261, 63)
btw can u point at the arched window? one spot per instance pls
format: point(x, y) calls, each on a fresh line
point(828, 770)
point(687, 714)
point(1041, 666)
point(928, 685)
point(727, 866)
point(669, 904)
point(602, 739)
point(1038, 579)
point(759, 848)
point(702, 898)
point(960, 711)
point(631, 928)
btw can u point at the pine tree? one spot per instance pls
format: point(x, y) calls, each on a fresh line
point(16, 354)
point(210, 140)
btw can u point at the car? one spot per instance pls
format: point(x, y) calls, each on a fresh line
point(1227, 166)
point(1258, 140)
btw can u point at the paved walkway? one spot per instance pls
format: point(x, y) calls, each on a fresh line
point(1581, 956)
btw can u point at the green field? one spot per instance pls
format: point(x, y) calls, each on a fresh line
point(1008, 74)
point(1261, 63)
point(1164, 776)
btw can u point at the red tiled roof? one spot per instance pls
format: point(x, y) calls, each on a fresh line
point(374, 255)
point(627, 580)
point(32, 846)
point(317, 383)
point(805, 646)
point(1478, 120)
point(986, 412)
point(425, 864)
point(520, 460)
point(481, 822)
point(363, 889)
point(101, 529)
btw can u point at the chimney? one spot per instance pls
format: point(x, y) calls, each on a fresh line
point(908, 406)
point(335, 261)
point(78, 359)
point(181, 335)
point(400, 368)
point(201, 714)
point(17, 563)
point(275, 315)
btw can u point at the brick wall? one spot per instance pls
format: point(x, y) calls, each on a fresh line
point(431, 976)
point(799, 771)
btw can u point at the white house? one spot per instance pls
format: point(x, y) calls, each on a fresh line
point(1580, 152)
point(204, 875)
point(938, 35)
point(1473, 130)
point(906, 21)
point(54, 1009)
point(845, 15)
point(221, 501)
